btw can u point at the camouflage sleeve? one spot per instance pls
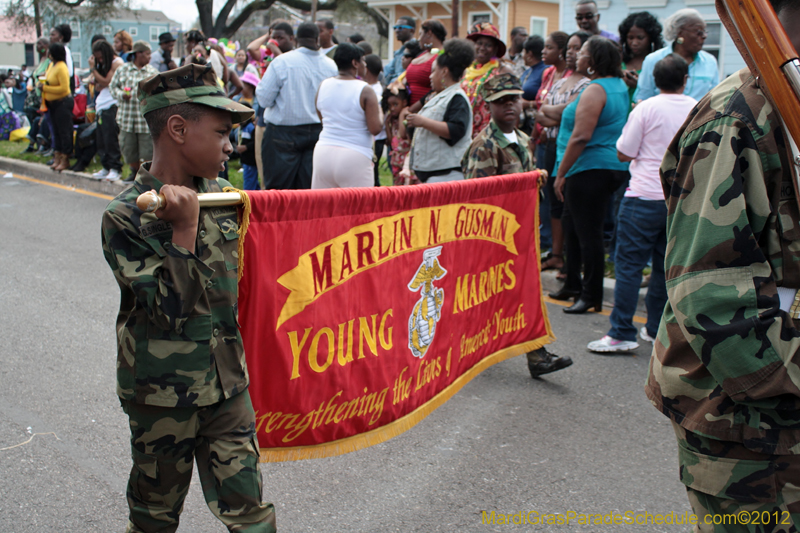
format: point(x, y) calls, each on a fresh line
point(166, 280)
point(721, 285)
point(479, 162)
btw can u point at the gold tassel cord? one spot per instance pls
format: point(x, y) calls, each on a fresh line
point(244, 223)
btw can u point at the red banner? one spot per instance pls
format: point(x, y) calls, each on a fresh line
point(362, 310)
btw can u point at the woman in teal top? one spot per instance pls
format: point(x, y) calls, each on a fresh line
point(588, 171)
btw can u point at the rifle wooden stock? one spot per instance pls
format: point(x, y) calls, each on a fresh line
point(762, 41)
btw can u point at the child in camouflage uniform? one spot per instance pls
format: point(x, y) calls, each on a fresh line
point(181, 372)
point(500, 148)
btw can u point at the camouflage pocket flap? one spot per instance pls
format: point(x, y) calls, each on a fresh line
point(788, 217)
point(719, 316)
point(194, 328)
point(742, 480)
point(146, 464)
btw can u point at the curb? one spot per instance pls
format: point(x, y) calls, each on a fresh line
point(551, 284)
point(78, 180)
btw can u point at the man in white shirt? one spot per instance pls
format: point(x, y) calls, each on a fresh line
point(287, 93)
point(642, 222)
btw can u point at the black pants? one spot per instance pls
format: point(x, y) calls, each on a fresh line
point(378, 153)
point(33, 118)
point(287, 153)
point(107, 136)
point(61, 115)
point(586, 200)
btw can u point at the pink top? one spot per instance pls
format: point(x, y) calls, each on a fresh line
point(650, 128)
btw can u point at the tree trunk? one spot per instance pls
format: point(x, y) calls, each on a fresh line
point(37, 18)
point(204, 10)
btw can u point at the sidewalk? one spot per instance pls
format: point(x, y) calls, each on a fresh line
point(78, 180)
point(551, 284)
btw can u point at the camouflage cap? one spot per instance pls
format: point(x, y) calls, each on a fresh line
point(500, 86)
point(189, 84)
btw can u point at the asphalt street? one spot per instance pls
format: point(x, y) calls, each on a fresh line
point(583, 440)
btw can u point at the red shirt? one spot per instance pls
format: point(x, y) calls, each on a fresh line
point(418, 79)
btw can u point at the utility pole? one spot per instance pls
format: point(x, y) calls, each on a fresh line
point(313, 10)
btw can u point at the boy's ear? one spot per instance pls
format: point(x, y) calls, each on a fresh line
point(176, 128)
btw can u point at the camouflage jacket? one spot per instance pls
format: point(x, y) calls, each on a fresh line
point(177, 328)
point(492, 154)
point(725, 361)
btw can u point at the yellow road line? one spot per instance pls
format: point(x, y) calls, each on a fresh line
point(604, 312)
point(64, 187)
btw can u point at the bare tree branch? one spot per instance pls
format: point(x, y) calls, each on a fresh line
point(222, 17)
point(262, 5)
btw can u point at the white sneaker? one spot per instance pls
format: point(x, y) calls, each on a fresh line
point(644, 336)
point(100, 174)
point(610, 345)
point(113, 175)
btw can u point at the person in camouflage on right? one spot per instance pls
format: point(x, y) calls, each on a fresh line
point(725, 367)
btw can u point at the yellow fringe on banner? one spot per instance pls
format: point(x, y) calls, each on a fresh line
point(541, 180)
point(401, 425)
point(244, 223)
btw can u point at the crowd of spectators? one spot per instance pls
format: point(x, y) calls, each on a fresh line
point(328, 113)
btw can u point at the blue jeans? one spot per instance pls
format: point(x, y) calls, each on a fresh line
point(250, 178)
point(641, 234)
point(545, 160)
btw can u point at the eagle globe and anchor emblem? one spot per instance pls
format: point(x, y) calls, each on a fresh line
point(428, 309)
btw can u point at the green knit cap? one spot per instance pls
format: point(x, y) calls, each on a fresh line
point(192, 84)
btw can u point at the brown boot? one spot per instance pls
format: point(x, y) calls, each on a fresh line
point(63, 163)
point(56, 160)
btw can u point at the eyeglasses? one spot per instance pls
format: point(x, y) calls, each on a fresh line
point(580, 16)
point(403, 27)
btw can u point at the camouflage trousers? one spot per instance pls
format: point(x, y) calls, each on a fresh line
point(733, 489)
point(166, 441)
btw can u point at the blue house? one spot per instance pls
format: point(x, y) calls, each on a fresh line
point(142, 24)
point(613, 12)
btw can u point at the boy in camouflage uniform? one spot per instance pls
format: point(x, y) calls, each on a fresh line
point(181, 373)
point(500, 148)
point(725, 362)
